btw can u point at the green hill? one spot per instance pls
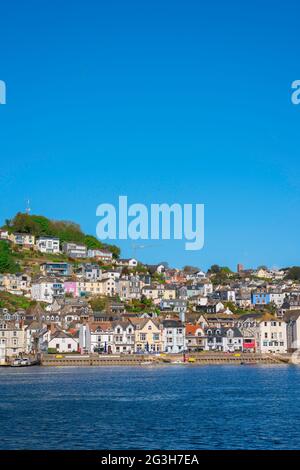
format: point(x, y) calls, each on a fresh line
point(66, 231)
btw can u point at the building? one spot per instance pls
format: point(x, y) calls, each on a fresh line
point(271, 336)
point(148, 335)
point(48, 245)
point(91, 272)
point(195, 338)
point(260, 298)
point(224, 339)
point(74, 250)
point(46, 290)
point(102, 255)
point(123, 337)
point(130, 262)
point(25, 240)
point(102, 337)
point(56, 269)
point(12, 340)
point(4, 234)
point(240, 268)
point(173, 336)
point(63, 342)
point(292, 320)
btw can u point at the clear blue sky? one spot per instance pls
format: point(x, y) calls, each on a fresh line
point(163, 101)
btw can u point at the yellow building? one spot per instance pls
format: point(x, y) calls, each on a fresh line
point(148, 335)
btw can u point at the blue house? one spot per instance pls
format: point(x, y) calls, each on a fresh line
point(260, 298)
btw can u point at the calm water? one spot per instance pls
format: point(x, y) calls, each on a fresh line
point(162, 408)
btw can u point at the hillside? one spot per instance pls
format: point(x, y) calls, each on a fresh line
point(66, 231)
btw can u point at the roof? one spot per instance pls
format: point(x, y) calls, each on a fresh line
point(172, 324)
point(190, 330)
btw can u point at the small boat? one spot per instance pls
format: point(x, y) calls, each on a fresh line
point(24, 362)
point(248, 363)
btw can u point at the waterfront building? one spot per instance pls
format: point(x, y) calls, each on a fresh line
point(63, 342)
point(148, 335)
point(12, 339)
point(271, 335)
point(173, 336)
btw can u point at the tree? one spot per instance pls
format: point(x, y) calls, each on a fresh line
point(7, 262)
point(293, 273)
point(191, 269)
point(214, 269)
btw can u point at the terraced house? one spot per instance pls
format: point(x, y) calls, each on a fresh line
point(12, 339)
point(148, 335)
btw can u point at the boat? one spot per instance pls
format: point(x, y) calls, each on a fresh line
point(24, 362)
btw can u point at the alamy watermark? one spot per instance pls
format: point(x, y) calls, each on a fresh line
point(2, 92)
point(160, 222)
point(296, 92)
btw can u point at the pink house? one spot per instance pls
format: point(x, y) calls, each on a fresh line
point(71, 287)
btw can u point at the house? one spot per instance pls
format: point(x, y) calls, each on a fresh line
point(195, 276)
point(46, 289)
point(148, 335)
point(90, 272)
point(102, 255)
point(56, 269)
point(74, 250)
point(12, 340)
point(63, 342)
point(271, 335)
point(260, 298)
point(212, 306)
point(243, 301)
point(292, 320)
point(227, 295)
point(224, 339)
point(18, 284)
point(25, 240)
point(173, 305)
point(195, 338)
point(102, 337)
point(201, 288)
point(156, 268)
point(48, 245)
point(130, 263)
point(173, 336)
point(4, 234)
point(123, 337)
point(129, 288)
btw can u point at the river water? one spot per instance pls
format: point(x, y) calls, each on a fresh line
point(167, 407)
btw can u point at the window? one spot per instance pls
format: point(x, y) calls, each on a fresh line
point(142, 336)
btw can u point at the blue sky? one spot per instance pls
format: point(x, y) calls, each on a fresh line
point(163, 101)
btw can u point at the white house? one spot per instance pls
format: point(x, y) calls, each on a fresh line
point(45, 290)
point(271, 336)
point(123, 337)
point(47, 244)
point(102, 335)
point(173, 336)
point(101, 255)
point(74, 250)
point(63, 342)
point(131, 262)
point(277, 298)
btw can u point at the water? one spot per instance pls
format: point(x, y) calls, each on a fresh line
point(172, 407)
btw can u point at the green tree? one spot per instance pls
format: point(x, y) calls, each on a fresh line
point(7, 261)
